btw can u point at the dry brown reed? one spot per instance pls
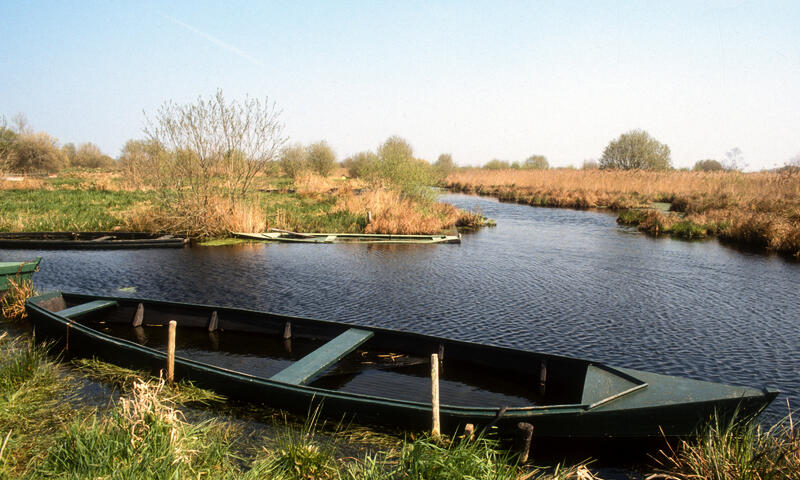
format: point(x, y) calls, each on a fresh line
point(12, 301)
point(309, 183)
point(393, 213)
point(27, 183)
point(760, 209)
point(217, 217)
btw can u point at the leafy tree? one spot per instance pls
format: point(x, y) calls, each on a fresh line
point(36, 153)
point(496, 164)
point(294, 160)
point(444, 165)
point(397, 168)
point(360, 164)
point(709, 165)
point(321, 158)
point(515, 165)
point(636, 149)
point(536, 162)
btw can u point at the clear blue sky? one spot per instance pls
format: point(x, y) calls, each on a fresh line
point(480, 80)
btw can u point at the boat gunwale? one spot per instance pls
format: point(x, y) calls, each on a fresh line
point(316, 391)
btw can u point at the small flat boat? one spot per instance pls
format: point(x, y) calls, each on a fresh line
point(382, 376)
point(294, 237)
point(88, 240)
point(16, 271)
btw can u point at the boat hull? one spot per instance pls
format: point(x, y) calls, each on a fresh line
point(88, 240)
point(17, 272)
point(668, 407)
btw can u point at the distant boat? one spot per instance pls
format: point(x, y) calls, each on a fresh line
point(382, 376)
point(88, 240)
point(16, 271)
point(294, 237)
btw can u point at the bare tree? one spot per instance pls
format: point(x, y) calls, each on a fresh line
point(231, 142)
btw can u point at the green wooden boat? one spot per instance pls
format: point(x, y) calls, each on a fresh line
point(88, 240)
point(293, 237)
point(382, 376)
point(16, 271)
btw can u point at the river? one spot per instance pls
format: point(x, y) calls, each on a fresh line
point(556, 280)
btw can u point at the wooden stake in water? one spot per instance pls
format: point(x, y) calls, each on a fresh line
point(524, 437)
point(436, 430)
point(171, 351)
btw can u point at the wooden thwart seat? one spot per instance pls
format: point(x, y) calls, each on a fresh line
point(84, 308)
point(320, 359)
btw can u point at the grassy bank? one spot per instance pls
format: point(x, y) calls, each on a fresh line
point(150, 430)
point(147, 429)
point(760, 210)
point(81, 200)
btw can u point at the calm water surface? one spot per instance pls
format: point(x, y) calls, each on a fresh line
point(555, 280)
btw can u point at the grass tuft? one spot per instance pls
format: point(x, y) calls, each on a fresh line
point(739, 449)
point(12, 302)
point(181, 392)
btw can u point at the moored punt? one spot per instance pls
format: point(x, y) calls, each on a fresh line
point(16, 271)
point(376, 375)
point(292, 237)
point(88, 240)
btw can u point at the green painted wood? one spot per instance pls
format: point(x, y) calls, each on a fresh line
point(317, 361)
point(18, 271)
point(85, 308)
point(601, 383)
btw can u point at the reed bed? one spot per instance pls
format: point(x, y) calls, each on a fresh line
point(755, 209)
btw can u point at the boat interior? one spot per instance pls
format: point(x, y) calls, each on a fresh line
point(345, 358)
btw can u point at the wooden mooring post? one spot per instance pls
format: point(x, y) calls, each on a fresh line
point(524, 437)
point(437, 429)
point(171, 351)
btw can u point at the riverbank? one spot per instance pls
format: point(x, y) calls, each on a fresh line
point(96, 200)
point(758, 210)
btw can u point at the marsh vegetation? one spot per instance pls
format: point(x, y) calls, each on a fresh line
point(760, 209)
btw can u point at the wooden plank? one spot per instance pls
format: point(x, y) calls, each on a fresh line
point(308, 367)
point(84, 308)
point(102, 239)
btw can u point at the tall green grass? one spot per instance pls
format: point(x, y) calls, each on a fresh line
point(64, 210)
point(740, 449)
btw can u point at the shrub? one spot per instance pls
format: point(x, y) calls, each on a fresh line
point(636, 150)
point(496, 164)
point(709, 165)
point(70, 151)
point(321, 158)
point(212, 151)
point(35, 153)
point(89, 155)
point(294, 160)
point(360, 164)
point(536, 162)
point(444, 165)
point(396, 168)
